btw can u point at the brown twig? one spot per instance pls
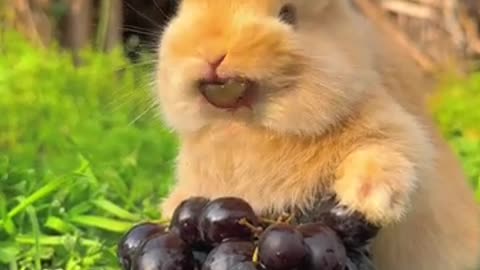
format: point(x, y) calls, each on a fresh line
point(410, 9)
point(451, 22)
point(25, 19)
point(471, 31)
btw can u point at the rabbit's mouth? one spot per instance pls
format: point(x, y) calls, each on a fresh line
point(229, 93)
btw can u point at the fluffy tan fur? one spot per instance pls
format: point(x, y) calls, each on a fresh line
point(339, 109)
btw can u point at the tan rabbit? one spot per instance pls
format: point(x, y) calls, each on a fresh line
point(279, 102)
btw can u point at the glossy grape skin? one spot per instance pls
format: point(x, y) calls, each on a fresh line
point(132, 240)
point(326, 250)
point(352, 227)
point(229, 254)
point(281, 247)
point(164, 252)
point(220, 220)
point(185, 219)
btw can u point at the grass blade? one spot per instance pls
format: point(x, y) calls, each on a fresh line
point(115, 210)
point(9, 226)
point(58, 225)
point(38, 195)
point(86, 170)
point(53, 240)
point(8, 252)
point(102, 223)
point(36, 233)
point(13, 265)
point(3, 205)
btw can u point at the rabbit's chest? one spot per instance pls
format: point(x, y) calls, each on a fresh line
point(270, 173)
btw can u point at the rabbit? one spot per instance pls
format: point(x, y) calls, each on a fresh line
point(279, 102)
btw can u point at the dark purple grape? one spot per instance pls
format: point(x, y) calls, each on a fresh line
point(229, 254)
point(200, 256)
point(185, 219)
point(360, 259)
point(132, 240)
point(327, 251)
point(353, 229)
point(351, 265)
point(245, 266)
point(220, 220)
point(164, 252)
point(281, 247)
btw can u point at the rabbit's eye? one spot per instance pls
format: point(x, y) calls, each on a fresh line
point(288, 14)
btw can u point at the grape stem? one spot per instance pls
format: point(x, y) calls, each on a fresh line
point(285, 218)
point(269, 221)
point(289, 219)
point(255, 230)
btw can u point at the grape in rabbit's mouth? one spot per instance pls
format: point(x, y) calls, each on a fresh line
point(230, 93)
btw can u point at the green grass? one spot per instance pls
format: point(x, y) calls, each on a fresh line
point(457, 111)
point(78, 166)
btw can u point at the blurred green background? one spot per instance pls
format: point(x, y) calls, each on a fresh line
point(84, 155)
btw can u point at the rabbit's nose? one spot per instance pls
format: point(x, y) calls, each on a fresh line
point(211, 75)
point(215, 64)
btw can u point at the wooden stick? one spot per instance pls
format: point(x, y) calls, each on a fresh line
point(378, 16)
point(110, 24)
point(471, 31)
point(25, 21)
point(78, 27)
point(451, 22)
point(114, 36)
point(432, 3)
point(409, 9)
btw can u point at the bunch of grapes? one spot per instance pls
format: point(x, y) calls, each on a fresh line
point(226, 234)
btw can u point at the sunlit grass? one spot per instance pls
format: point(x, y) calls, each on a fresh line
point(457, 110)
point(77, 165)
